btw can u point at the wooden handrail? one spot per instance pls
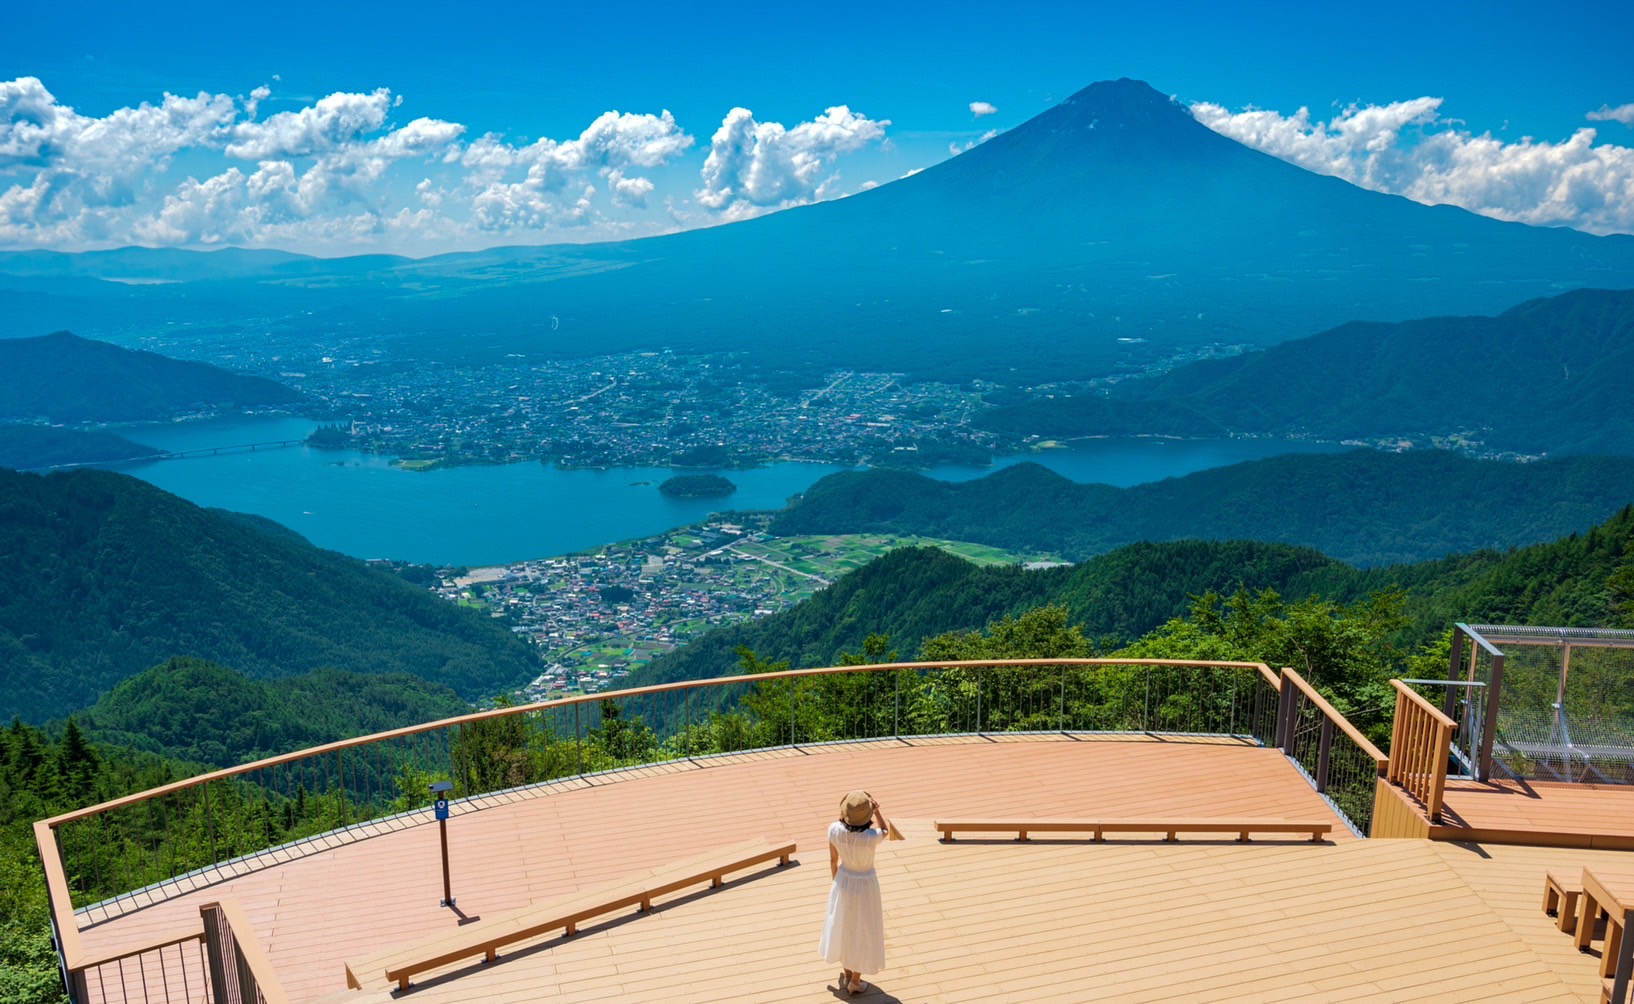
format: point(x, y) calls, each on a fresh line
point(61, 900)
point(1419, 747)
point(249, 949)
point(1380, 760)
point(152, 944)
point(719, 681)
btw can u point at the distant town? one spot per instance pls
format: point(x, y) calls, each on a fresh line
point(660, 409)
point(597, 615)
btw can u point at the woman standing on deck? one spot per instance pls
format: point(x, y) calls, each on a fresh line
point(854, 932)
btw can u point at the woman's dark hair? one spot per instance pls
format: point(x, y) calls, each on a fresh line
point(854, 829)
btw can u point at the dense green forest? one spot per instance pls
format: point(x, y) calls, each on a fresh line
point(1548, 376)
point(65, 378)
point(1365, 507)
point(27, 446)
point(189, 709)
point(107, 576)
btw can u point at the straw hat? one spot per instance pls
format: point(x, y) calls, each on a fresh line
point(857, 808)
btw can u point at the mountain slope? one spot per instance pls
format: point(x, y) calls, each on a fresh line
point(1365, 507)
point(107, 576)
point(912, 594)
point(1547, 376)
point(27, 446)
point(64, 378)
point(200, 712)
point(1110, 231)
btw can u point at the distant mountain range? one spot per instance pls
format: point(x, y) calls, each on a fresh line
point(1108, 232)
point(65, 378)
point(1549, 376)
point(1365, 507)
point(107, 576)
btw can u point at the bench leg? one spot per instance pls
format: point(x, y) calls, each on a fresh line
point(1567, 919)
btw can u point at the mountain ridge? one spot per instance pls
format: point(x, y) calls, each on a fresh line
point(1005, 261)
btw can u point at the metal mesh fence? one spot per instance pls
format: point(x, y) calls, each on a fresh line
point(1565, 710)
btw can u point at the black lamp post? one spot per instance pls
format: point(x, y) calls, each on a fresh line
point(439, 791)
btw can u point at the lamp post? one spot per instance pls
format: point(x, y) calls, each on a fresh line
point(439, 791)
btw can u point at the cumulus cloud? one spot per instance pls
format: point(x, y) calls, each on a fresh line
point(1407, 148)
point(1606, 113)
point(755, 166)
point(346, 170)
point(980, 108)
point(956, 148)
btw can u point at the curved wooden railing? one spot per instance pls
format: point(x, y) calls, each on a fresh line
point(233, 817)
point(1341, 763)
point(1419, 748)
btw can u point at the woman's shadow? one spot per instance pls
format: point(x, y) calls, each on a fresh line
point(871, 995)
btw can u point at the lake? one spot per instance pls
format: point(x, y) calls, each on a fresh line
point(361, 505)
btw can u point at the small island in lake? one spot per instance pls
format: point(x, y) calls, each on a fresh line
point(698, 486)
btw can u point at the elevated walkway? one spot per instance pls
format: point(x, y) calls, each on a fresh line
point(1528, 813)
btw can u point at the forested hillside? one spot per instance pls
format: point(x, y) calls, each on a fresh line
point(26, 446)
point(65, 378)
point(913, 594)
point(107, 576)
point(198, 711)
point(916, 593)
point(1365, 507)
point(1548, 376)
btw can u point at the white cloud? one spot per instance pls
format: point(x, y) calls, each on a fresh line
point(1407, 148)
point(332, 122)
point(954, 149)
point(754, 166)
point(980, 108)
point(1606, 113)
point(342, 171)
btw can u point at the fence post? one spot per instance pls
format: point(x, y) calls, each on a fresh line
point(1455, 663)
point(1323, 754)
point(578, 736)
point(1061, 723)
point(896, 706)
point(1488, 727)
point(1285, 702)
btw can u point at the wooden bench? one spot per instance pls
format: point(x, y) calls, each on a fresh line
point(487, 937)
point(1560, 894)
point(1171, 828)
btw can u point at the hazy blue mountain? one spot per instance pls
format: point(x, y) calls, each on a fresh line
point(24, 447)
point(65, 378)
point(108, 576)
point(1108, 231)
point(1549, 376)
point(1365, 507)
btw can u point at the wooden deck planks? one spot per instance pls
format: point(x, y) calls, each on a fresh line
point(1045, 921)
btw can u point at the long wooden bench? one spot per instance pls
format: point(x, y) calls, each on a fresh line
point(1170, 828)
point(486, 937)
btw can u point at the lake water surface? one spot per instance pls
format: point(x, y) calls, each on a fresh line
point(361, 505)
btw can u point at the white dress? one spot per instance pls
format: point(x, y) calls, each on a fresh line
point(854, 932)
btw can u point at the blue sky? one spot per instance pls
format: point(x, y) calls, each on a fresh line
point(341, 128)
